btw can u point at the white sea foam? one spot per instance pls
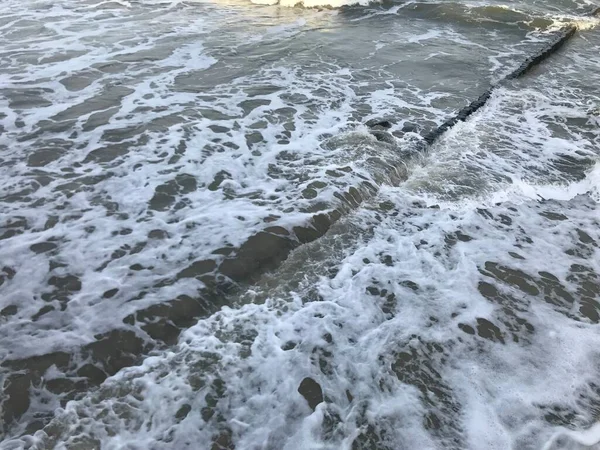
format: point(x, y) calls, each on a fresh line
point(92, 82)
point(494, 229)
point(588, 438)
point(499, 387)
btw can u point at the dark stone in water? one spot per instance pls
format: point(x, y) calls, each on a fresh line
point(116, 349)
point(60, 385)
point(223, 441)
point(10, 273)
point(43, 310)
point(218, 128)
point(261, 251)
point(410, 127)
point(183, 412)
point(110, 293)
point(589, 308)
point(16, 397)
point(39, 364)
point(277, 230)
point(92, 373)
point(410, 284)
point(466, 328)
point(44, 156)
point(219, 178)
point(584, 237)
point(10, 310)
point(161, 201)
point(317, 228)
point(488, 330)
point(349, 396)
point(26, 372)
point(288, 346)
point(197, 268)
point(311, 391)
point(383, 136)
point(164, 321)
point(158, 234)
point(107, 154)
point(513, 277)
point(64, 287)
point(378, 123)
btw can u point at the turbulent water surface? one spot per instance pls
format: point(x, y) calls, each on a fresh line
point(203, 246)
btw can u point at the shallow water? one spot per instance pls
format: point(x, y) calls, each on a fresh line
point(169, 170)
